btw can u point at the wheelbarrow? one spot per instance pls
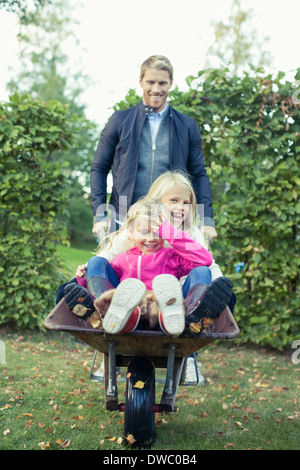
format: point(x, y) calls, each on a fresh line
point(141, 352)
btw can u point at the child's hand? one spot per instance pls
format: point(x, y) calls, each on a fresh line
point(161, 217)
point(165, 214)
point(81, 271)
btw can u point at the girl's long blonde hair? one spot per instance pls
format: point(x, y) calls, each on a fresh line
point(165, 182)
point(162, 185)
point(145, 209)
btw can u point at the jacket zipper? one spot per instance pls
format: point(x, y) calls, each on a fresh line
point(139, 267)
point(170, 141)
point(153, 150)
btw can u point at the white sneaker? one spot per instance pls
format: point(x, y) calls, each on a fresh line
point(191, 373)
point(127, 296)
point(168, 294)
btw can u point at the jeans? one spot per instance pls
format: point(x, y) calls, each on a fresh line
point(98, 266)
point(198, 275)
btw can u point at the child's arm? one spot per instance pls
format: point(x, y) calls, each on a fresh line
point(188, 248)
point(214, 267)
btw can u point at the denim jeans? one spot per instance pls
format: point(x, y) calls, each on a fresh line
point(198, 275)
point(98, 266)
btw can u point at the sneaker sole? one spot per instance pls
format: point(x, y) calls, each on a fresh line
point(128, 295)
point(169, 297)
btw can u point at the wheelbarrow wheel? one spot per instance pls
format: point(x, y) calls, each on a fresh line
point(139, 422)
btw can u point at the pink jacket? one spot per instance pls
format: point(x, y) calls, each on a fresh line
point(179, 259)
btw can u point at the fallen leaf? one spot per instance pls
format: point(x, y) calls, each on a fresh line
point(6, 432)
point(249, 410)
point(139, 384)
point(66, 443)
point(229, 444)
point(43, 445)
point(130, 439)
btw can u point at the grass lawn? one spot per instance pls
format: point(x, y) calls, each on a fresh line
point(73, 257)
point(250, 399)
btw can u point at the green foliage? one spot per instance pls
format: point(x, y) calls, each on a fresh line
point(32, 210)
point(237, 44)
point(251, 139)
point(45, 74)
point(250, 128)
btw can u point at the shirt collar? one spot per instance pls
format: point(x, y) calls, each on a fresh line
point(152, 114)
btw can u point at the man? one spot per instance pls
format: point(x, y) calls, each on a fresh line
point(141, 143)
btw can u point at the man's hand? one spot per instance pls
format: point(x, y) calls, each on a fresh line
point(100, 229)
point(209, 233)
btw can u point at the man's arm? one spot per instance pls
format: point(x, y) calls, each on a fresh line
point(200, 180)
point(101, 166)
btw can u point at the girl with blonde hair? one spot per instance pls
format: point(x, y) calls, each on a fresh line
point(206, 288)
point(157, 255)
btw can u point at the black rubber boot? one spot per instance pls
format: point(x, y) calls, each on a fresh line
point(207, 301)
point(80, 300)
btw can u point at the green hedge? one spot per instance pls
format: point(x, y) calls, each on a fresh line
point(32, 208)
point(251, 139)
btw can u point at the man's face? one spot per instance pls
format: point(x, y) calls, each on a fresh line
point(156, 85)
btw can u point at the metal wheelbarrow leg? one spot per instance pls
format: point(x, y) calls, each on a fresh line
point(141, 351)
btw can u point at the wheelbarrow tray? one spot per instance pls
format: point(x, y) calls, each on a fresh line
point(154, 344)
point(141, 352)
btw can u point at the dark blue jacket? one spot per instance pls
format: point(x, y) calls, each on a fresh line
point(118, 149)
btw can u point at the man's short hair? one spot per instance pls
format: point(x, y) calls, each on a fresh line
point(158, 62)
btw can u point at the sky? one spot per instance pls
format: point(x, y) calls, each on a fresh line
point(115, 37)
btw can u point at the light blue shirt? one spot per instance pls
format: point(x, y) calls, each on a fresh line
point(155, 120)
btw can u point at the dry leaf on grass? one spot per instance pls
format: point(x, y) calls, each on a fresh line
point(130, 439)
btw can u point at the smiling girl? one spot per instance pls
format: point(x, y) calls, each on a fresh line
point(151, 265)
